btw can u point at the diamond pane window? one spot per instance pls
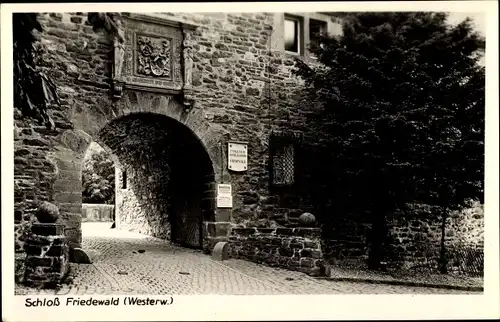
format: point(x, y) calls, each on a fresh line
point(283, 159)
point(284, 165)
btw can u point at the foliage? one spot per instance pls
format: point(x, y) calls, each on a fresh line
point(107, 21)
point(98, 178)
point(403, 97)
point(33, 90)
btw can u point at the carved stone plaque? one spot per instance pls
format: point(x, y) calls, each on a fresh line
point(154, 56)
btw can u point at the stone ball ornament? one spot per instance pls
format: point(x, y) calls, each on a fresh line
point(307, 219)
point(47, 213)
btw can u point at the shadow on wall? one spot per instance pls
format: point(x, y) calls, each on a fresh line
point(166, 172)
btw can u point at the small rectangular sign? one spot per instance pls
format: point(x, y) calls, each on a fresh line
point(224, 196)
point(237, 156)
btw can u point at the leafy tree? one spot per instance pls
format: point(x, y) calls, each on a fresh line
point(403, 98)
point(98, 178)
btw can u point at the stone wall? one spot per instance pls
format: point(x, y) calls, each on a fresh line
point(416, 236)
point(47, 255)
point(293, 248)
point(142, 203)
point(97, 212)
point(415, 239)
point(242, 88)
point(48, 161)
point(242, 79)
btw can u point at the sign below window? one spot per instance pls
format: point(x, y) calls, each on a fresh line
point(237, 156)
point(224, 196)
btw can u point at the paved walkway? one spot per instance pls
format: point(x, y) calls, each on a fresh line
point(130, 263)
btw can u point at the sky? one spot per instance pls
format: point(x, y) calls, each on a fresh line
point(478, 18)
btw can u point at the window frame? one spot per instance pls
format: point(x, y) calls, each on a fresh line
point(324, 27)
point(279, 140)
point(300, 37)
point(124, 180)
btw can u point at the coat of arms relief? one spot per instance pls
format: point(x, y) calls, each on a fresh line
point(154, 56)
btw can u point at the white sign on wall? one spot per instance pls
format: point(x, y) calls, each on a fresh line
point(224, 196)
point(237, 156)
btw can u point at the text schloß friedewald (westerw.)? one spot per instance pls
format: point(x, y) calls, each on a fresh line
point(113, 301)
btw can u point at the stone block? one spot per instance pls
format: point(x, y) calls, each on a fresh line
point(71, 207)
point(34, 261)
point(294, 263)
point(210, 242)
point(223, 215)
point(70, 175)
point(312, 244)
point(266, 231)
point(47, 229)
point(244, 231)
point(218, 229)
point(285, 231)
point(68, 197)
point(73, 237)
point(19, 267)
point(60, 264)
point(221, 251)
point(296, 245)
point(316, 254)
point(319, 263)
point(33, 249)
point(307, 262)
point(78, 255)
point(312, 233)
point(72, 220)
point(67, 185)
point(68, 165)
point(18, 216)
point(57, 250)
point(306, 252)
point(316, 272)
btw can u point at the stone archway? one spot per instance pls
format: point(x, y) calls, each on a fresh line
point(156, 111)
point(164, 177)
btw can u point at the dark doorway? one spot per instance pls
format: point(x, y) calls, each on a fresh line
point(192, 176)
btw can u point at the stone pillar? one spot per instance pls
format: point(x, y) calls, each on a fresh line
point(67, 188)
point(47, 254)
point(187, 55)
point(68, 196)
point(118, 58)
point(219, 229)
point(118, 197)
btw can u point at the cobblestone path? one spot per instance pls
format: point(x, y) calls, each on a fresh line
point(130, 263)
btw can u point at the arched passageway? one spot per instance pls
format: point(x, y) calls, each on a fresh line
point(164, 177)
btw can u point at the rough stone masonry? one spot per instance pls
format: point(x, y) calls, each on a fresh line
point(219, 77)
point(166, 102)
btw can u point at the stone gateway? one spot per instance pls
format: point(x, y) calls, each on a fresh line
point(184, 102)
point(182, 87)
